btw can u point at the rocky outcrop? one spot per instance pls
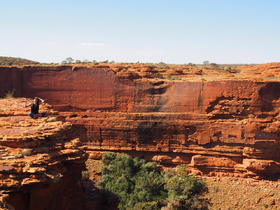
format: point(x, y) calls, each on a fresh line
point(216, 121)
point(40, 162)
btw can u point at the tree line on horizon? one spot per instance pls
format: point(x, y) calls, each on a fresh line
point(5, 60)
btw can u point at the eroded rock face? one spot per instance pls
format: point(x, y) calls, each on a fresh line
point(227, 125)
point(40, 163)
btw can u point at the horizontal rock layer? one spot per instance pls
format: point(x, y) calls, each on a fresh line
point(40, 163)
point(228, 126)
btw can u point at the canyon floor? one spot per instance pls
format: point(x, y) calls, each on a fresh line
point(226, 193)
point(239, 193)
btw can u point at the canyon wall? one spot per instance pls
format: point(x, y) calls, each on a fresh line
point(218, 126)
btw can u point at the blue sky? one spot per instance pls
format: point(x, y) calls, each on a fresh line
point(172, 31)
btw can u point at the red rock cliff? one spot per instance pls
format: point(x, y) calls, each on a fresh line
point(40, 164)
point(227, 125)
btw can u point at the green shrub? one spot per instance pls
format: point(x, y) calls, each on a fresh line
point(153, 205)
point(143, 185)
point(159, 76)
point(214, 66)
point(271, 78)
point(133, 179)
point(163, 65)
point(171, 77)
point(185, 192)
point(231, 70)
point(10, 94)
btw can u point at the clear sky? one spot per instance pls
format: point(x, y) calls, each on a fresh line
point(172, 31)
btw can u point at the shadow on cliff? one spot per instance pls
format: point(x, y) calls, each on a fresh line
point(99, 198)
point(268, 94)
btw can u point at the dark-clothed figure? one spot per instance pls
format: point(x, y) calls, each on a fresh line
point(35, 108)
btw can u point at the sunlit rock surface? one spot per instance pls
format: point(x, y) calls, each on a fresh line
point(216, 121)
point(40, 163)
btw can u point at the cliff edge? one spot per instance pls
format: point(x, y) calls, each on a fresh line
point(40, 163)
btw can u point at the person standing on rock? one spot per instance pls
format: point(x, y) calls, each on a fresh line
point(35, 108)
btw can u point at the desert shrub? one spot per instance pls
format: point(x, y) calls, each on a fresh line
point(163, 65)
point(271, 78)
point(214, 66)
point(10, 94)
point(153, 205)
point(181, 169)
point(172, 77)
point(230, 69)
point(184, 192)
point(143, 185)
point(159, 76)
point(15, 61)
point(26, 152)
point(133, 179)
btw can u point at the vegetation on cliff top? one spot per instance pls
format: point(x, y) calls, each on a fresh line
point(143, 185)
point(15, 61)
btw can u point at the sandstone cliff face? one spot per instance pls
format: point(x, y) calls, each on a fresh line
point(227, 126)
point(40, 164)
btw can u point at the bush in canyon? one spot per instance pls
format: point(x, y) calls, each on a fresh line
point(185, 192)
point(133, 179)
point(143, 185)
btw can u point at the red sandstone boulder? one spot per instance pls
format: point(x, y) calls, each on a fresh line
point(262, 167)
point(162, 158)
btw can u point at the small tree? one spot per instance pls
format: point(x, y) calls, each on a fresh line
point(133, 179)
point(68, 60)
point(142, 185)
point(206, 63)
point(184, 192)
point(214, 66)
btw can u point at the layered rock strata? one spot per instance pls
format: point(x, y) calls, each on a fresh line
point(217, 122)
point(40, 163)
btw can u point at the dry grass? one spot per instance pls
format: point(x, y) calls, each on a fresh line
point(232, 193)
